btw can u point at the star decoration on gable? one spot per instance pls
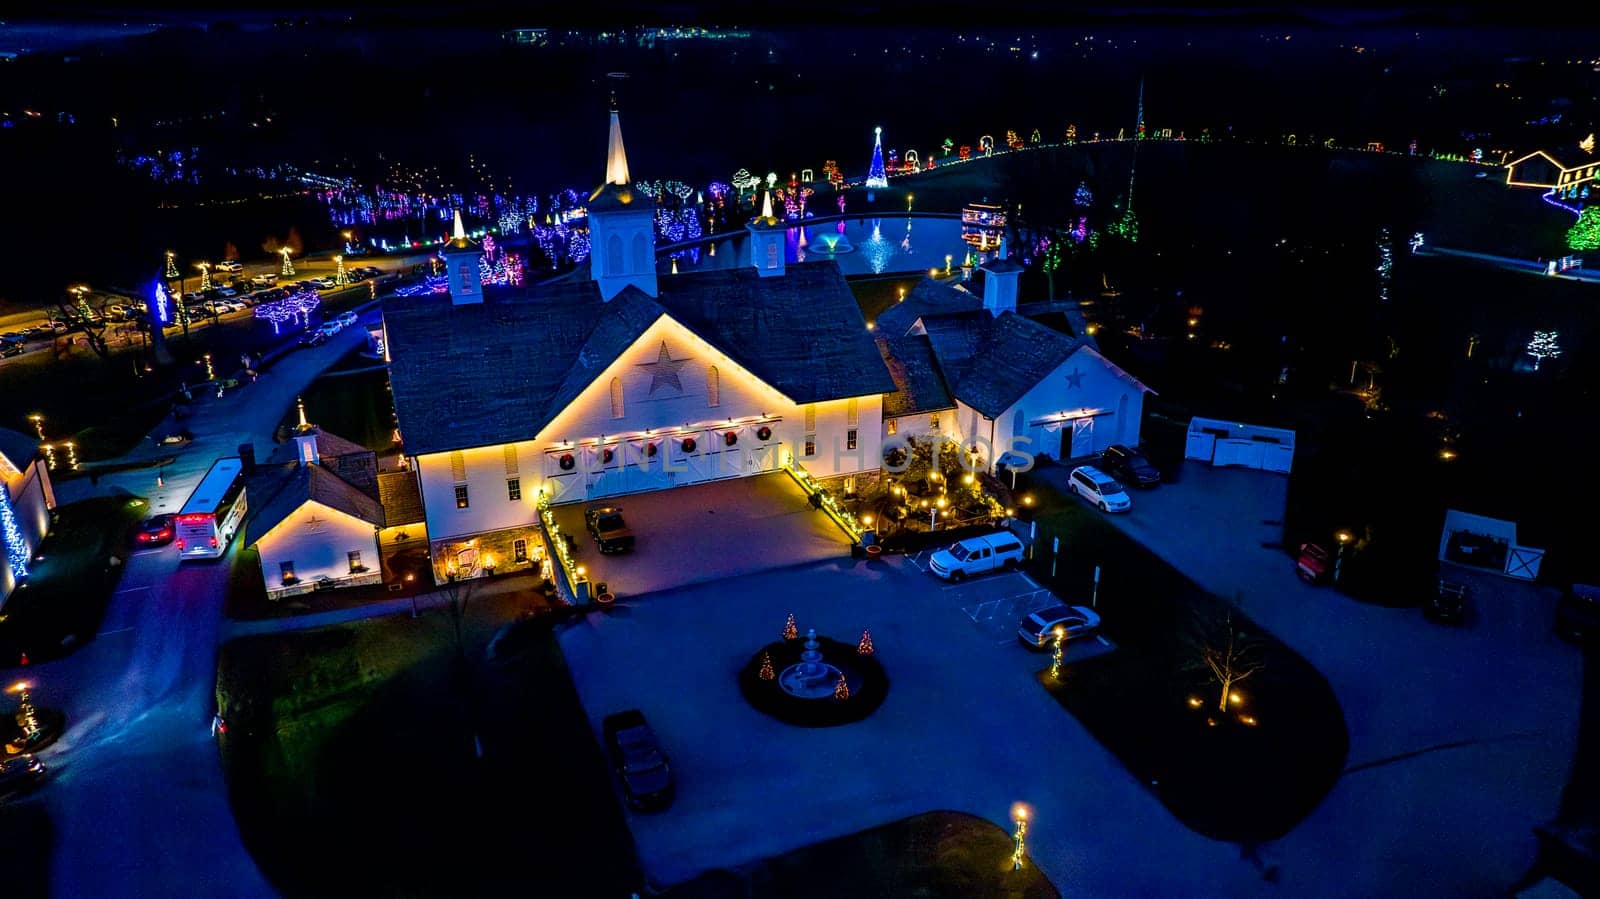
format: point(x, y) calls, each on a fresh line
point(1075, 379)
point(664, 370)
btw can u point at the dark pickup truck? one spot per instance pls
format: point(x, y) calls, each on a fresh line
point(609, 530)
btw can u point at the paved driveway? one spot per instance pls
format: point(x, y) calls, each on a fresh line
point(1461, 740)
point(965, 727)
point(690, 535)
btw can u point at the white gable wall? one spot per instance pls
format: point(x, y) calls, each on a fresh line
point(670, 412)
point(1113, 406)
point(318, 540)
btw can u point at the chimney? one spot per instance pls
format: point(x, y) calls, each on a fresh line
point(1000, 285)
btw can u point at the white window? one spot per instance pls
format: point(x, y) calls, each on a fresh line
point(461, 496)
point(355, 562)
point(713, 386)
point(810, 448)
point(616, 397)
point(286, 569)
point(852, 413)
point(514, 489)
point(933, 422)
point(850, 439)
point(519, 550)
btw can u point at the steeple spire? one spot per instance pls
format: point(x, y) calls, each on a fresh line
point(460, 233)
point(766, 205)
point(616, 159)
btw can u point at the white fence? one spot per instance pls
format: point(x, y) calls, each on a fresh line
point(1233, 443)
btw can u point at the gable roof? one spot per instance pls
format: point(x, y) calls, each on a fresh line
point(918, 385)
point(401, 497)
point(991, 362)
point(929, 297)
point(18, 448)
point(312, 483)
point(498, 371)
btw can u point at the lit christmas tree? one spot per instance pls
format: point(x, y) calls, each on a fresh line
point(1082, 196)
point(1543, 346)
point(841, 690)
point(172, 265)
point(865, 646)
point(1585, 233)
point(790, 631)
point(288, 267)
point(766, 667)
point(875, 174)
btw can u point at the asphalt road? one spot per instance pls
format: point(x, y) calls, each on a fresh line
point(137, 804)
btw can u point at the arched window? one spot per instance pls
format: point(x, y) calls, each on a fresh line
point(641, 254)
point(772, 254)
point(713, 386)
point(616, 397)
point(614, 255)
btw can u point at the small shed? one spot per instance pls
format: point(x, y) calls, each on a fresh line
point(1235, 443)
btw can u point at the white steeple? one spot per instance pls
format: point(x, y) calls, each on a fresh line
point(766, 241)
point(461, 266)
point(766, 205)
point(616, 159)
point(460, 233)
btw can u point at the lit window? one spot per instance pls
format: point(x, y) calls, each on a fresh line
point(892, 426)
point(713, 386)
point(355, 562)
point(810, 448)
point(514, 489)
point(461, 496)
point(850, 439)
point(458, 467)
point(287, 570)
point(616, 397)
point(519, 550)
point(933, 421)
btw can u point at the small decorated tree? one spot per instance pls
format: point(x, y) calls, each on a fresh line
point(766, 667)
point(841, 690)
point(1585, 233)
point(865, 646)
point(790, 630)
point(1544, 345)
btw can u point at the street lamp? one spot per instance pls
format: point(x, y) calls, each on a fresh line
point(1344, 537)
point(933, 513)
point(909, 198)
point(1019, 813)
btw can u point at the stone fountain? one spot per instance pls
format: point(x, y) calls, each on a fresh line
point(811, 677)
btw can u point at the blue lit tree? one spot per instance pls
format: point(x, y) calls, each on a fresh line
point(876, 177)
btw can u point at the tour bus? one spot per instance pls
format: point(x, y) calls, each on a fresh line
point(213, 513)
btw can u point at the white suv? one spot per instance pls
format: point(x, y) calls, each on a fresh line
point(1099, 488)
point(976, 555)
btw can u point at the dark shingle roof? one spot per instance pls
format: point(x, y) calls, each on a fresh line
point(401, 496)
point(329, 446)
point(18, 448)
point(919, 386)
point(498, 371)
point(929, 297)
point(988, 362)
point(313, 483)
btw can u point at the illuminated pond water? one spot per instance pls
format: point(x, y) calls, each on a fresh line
point(861, 246)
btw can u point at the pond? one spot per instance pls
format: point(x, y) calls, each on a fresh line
point(869, 245)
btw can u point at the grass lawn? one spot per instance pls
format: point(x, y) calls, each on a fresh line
point(353, 763)
point(938, 855)
point(1247, 775)
point(67, 592)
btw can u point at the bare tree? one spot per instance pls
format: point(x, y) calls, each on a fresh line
point(459, 592)
point(93, 331)
point(1227, 653)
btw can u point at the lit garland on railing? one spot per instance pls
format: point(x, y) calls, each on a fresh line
point(557, 544)
point(16, 549)
point(840, 515)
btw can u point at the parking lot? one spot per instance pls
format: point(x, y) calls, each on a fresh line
point(707, 532)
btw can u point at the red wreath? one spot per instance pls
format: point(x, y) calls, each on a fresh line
point(567, 462)
point(650, 450)
point(730, 438)
point(764, 433)
point(606, 455)
point(688, 444)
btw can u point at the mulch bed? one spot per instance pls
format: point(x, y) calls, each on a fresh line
point(868, 683)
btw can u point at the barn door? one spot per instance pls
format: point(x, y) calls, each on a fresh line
point(1082, 437)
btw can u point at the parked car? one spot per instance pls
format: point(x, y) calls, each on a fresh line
point(1448, 604)
point(13, 337)
point(237, 304)
point(46, 329)
point(157, 530)
point(223, 291)
point(605, 524)
point(229, 265)
point(324, 283)
point(346, 319)
point(304, 285)
point(640, 762)
point(1038, 630)
point(1578, 613)
point(975, 555)
point(11, 348)
point(313, 337)
point(329, 329)
point(19, 774)
point(1099, 488)
point(117, 312)
point(1130, 465)
point(194, 296)
point(1313, 563)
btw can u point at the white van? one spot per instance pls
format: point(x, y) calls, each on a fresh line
point(975, 555)
point(1099, 488)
